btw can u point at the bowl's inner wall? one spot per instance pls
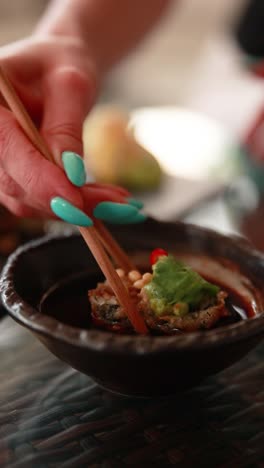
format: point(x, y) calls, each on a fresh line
point(37, 269)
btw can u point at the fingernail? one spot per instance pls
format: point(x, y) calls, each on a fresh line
point(114, 212)
point(69, 213)
point(136, 219)
point(74, 167)
point(134, 202)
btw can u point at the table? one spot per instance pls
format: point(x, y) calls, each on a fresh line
point(52, 416)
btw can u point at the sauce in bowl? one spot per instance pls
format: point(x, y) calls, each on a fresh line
point(68, 301)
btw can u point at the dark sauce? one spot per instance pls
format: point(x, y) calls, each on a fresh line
point(67, 301)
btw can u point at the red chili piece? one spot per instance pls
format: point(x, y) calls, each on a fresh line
point(156, 254)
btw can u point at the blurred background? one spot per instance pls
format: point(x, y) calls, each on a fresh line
point(191, 98)
point(190, 59)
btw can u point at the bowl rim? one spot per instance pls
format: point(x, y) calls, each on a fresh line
point(97, 340)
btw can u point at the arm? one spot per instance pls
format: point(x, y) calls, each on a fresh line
point(110, 28)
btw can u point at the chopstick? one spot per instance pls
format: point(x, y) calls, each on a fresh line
point(111, 245)
point(97, 238)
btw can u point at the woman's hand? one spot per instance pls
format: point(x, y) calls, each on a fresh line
point(55, 76)
point(57, 84)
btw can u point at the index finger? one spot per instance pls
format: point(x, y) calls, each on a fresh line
point(69, 94)
point(39, 178)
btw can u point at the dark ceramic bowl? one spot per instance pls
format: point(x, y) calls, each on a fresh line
point(131, 365)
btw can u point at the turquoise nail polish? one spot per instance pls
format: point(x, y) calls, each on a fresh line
point(137, 203)
point(136, 219)
point(74, 167)
point(114, 212)
point(69, 213)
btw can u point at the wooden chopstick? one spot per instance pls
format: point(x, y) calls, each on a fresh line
point(90, 235)
point(111, 245)
point(92, 240)
point(22, 115)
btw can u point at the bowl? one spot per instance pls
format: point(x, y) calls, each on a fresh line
point(129, 364)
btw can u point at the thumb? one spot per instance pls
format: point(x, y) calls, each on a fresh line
point(69, 94)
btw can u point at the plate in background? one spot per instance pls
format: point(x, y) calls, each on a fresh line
point(195, 152)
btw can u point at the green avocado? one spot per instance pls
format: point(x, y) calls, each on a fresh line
point(177, 289)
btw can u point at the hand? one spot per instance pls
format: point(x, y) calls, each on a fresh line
point(57, 83)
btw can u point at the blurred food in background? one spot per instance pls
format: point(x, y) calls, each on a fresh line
point(113, 155)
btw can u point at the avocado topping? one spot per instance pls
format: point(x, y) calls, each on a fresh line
point(177, 289)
